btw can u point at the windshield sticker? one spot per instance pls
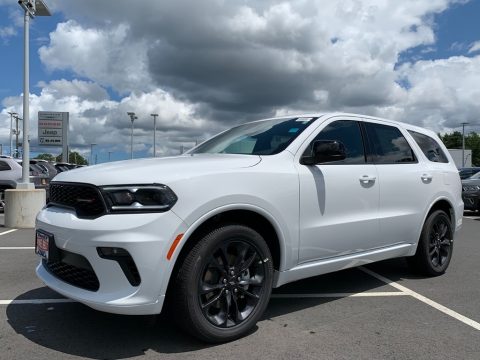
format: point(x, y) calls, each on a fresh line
point(304, 120)
point(293, 130)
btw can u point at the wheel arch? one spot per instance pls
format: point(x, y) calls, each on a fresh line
point(250, 216)
point(445, 205)
point(441, 203)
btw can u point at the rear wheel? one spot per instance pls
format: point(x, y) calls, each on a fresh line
point(224, 284)
point(435, 246)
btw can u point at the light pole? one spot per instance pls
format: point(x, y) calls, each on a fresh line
point(154, 134)
point(132, 118)
point(463, 143)
point(32, 8)
point(17, 133)
point(91, 153)
point(12, 114)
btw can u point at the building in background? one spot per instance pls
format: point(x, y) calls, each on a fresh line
point(457, 157)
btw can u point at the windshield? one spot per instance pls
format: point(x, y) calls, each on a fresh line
point(476, 176)
point(266, 137)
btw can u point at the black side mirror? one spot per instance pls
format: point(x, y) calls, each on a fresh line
point(325, 151)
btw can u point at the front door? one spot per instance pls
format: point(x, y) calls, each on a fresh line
point(339, 200)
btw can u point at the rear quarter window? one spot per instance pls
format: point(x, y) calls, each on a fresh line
point(4, 166)
point(430, 147)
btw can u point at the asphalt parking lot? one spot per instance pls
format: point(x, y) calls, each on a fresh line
point(377, 312)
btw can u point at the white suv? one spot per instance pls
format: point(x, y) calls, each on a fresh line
point(209, 233)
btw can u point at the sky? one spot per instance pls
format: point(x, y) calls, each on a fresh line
point(204, 66)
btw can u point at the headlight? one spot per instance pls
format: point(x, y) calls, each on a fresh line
point(139, 198)
point(471, 187)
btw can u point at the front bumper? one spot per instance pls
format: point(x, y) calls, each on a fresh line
point(147, 237)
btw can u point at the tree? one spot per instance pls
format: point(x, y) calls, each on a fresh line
point(472, 142)
point(45, 156)
point(453, 140)
point(74, 158)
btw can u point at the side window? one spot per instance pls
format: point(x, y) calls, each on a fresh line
point(430, 147)
point(4, 166)
point(388, 144)
point(348, 132)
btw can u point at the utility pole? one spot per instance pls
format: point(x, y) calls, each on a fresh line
point(154, 134)
point(17, 132)
point(132, 118)
point(463, 143)
point(12, 115)
point(91, 153)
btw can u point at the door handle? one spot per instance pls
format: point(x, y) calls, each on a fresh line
point(427, 177)
point(365, 179)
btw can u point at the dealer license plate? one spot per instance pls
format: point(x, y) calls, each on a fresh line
point(42, 244)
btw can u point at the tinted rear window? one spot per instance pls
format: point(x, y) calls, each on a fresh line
point(430, 147)
point(388, 145)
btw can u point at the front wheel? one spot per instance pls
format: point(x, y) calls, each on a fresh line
point(435, 246)
point(224, 284)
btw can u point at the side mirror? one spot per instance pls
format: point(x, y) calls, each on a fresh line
point(325, 151)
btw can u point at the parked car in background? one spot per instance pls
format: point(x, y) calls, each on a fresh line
point(211, 232)
point(61, 167)
point(465, 173)
point(38, 178)
point(10, 175)
point(47, 168)
point(471, 192)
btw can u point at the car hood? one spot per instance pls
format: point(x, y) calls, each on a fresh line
point(471, 182)
point(157, 170)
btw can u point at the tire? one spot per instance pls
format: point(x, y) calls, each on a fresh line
point(223, 286)
point(435, 246)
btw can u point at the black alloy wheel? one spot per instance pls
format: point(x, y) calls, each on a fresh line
point(223, 284)
point(435, 247)
point(231, 283)
point(440, 244)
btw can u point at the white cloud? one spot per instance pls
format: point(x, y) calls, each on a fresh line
point(443, 93)
point(103, 55)
point(7, 31)
point(240, 60)
point(474, 47)
point(94, 118)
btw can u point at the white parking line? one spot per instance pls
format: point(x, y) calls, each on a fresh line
point(338, 295)
point(8, 232)
point(17, 248)
point(423, 299)
point(35, 301)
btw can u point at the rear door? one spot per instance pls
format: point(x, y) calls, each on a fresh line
point(405, 183)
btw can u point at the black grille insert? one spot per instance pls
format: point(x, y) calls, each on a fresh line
point(85, 199)
point(83, 277)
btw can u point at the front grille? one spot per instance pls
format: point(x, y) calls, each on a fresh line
point(85, 199)
point(80, 277)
